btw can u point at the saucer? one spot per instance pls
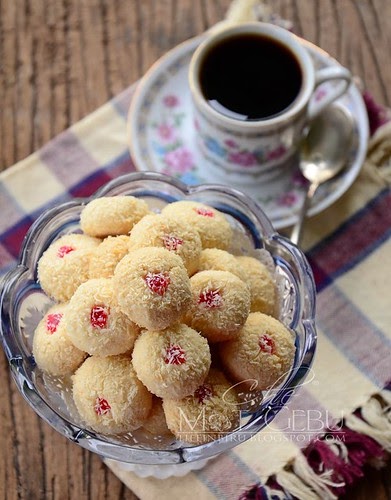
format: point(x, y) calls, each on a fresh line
point(162, 137)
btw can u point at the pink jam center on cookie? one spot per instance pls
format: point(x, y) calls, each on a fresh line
point(210, 299)
point(204, 392)
point(64, 250)
point(175, 355)
point(157, 282)
point(52, 321)
point(266, 344)
point(205, 212)
point(171, 242)
point(99, 316)
point(101, 406)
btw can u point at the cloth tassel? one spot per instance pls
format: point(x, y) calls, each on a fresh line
point(374, 420)
point(241, 11)
point(295, 486)
point(336, 460)
point(344, 459)
point(264, 492)
point(360, 426)
point(320, 483)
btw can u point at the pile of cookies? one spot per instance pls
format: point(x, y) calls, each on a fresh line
point(157, 322)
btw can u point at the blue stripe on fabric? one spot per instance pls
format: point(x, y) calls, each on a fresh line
point(348, 353)
point(101, 172)
point(88, 180)
point(121, 102)
point(9, 206)
point(328, 279)
point(13, 236)
point(351, 220)
point(356, 260)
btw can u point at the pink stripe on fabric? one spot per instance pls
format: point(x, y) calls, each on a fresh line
point(124, 167)
point(13, 238)
point(67, 159)
point(90, 184)
point(227, 476)
point(359, 234)
point(358, 339)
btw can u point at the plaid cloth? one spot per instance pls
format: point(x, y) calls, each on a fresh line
point(348, 246)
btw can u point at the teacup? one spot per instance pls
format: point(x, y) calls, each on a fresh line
point(253, 87)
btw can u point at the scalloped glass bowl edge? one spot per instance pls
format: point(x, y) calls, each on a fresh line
point(20, 295)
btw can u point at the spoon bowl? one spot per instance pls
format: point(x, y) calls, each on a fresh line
point(323, 154)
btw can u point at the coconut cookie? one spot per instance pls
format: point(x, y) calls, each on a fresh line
point(210, 412)
point(263, 352)
point(95, 323)
point(261, 284)
point(220, 304)
point(153, 288)
point(170, 233)
point(106, 256)
point(64, 265)
point(212, 225)
point(108, 395)
point(53, 351)
point(220, 260)
point(173, 362)
point(112, 215)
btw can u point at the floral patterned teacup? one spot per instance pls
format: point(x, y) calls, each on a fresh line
point(259, 148)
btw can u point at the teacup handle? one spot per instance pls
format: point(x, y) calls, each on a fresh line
point(324, 75)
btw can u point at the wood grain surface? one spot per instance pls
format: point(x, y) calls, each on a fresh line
point(60, 60)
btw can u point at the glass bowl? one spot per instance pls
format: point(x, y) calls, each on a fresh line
point(23, 304)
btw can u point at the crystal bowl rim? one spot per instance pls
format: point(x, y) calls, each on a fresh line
point(186, 453)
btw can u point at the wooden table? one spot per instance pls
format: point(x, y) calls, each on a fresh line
point(62, 59)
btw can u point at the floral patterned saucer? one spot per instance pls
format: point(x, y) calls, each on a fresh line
point(163, 138)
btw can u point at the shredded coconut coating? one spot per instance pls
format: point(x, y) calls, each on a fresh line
point(137, 298)
point(156, 422)
point(108, 395)
point(261, 283)
point(263, 351)
point(170, 233)
point(213, 227)
point(170, 376)
point(211, 412)
point(95, 322)
point(53, 351)
point(112, 215)
point(220, 260)
point(220, 304)
point(106, 256)
point(64, 265)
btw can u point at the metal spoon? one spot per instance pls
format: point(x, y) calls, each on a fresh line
point(323, 154)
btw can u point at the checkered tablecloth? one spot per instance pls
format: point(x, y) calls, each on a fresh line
point(349, 248)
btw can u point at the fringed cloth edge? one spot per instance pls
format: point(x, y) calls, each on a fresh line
point(336, 459)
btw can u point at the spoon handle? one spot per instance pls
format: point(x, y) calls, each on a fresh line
point(297, 230)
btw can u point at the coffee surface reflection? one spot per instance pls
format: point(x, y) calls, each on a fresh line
point(250, 77)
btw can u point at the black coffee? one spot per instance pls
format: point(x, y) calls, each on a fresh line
point(250, 77)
